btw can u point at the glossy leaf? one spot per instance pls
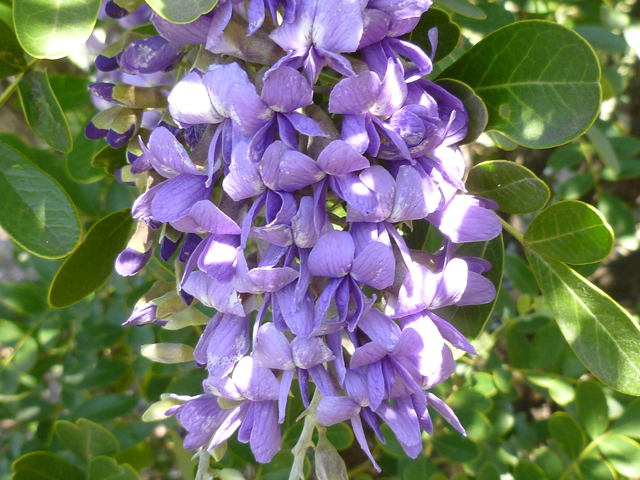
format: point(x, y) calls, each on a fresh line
point(86, 439)
point(43, 112)
point(594, 469)
point(470, 320)
point(90, 265)
point(476, 109)
point(181, 12)
point(79, 160)
point(623, 454)
point(571, 232)
point(540, 82)
point(448, 33)
point(513, 187)
point(105, 468)
point(592, 408)
point(11, 53)
point(36, 212)
point(567, 434)
point(600, 332)
point(45, 466)
point(53, 28)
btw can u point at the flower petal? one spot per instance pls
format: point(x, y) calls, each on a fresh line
point(332, 256)
point(286, 90)
point(339, 158)
point(375, 266)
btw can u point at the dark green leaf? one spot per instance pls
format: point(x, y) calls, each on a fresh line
point(566, 157)
point(92, 262)
point(497, 17)
point(571, 232)
point(526, 470)
point(567, 434)
point(489, 471)
point(22, 297)
point(513, 187)
point(53, 28)
point(455, 447)
point(131, 434)
point(547, 346)
point(105, 372)
point(475, 423)
point(110, 159)
point(601, 333)
point(340, 436)
point(625, 146)
point(501, 141)
point(86, 439)
point(629, 423)
point(42, 111)
point(448, 33)
point(592, 408)
point(476, 109)
point(463, 7)
point(605, 151)
point(105, 407)
point(45, 466)
point(629, 168)
point(576, 186)
point(602, 39)
point(471, 399)
point(71, 92)
point(181, 12)
point(594, 469)
point(79, 160)
point(520, 275)
point(618, 215)
point(392, 447)
point(470, 320)
point(540, 82)
point(105, 468)
point(518, 349)
point(549, 462)
point(419, 469)
point(11, 54)
point(36, 212)
point(623, 454)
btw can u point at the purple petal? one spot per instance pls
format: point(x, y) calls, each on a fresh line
point(452, 283)
point(286, 90)
point(358, 196)
point(417, 291)
point(337, 25)
point(194, 32)
point(339, 158)
point(221, 296)
point(446, 412)
point(380, 328)
point(228, 343)
point(355, 95)
point(189, 102)
point(243, 180)
point(354, 132)
point(130, 261)
point(205, 217)
point(271, 279)
point(358, 431)
point(287, 170)
point(285, 388)
point(375, 266)
point(479, 290)
point(219, 257)
point(375, 384)
point(451, 334)
point(151, 55)
point(332, 256)
point(393, 91)
point(302, 224)
point(167, 156)
point(305, 125)
point(219, 20)
point(332, 410)
point(409, 343)
point(380, 181)
point(309, 352)
point(376, 26)
point(272, 349)
point(367, 354)
point(230, 425)
point(403, 421)
point(257, 384)
point(265, 435)
point(175, 197)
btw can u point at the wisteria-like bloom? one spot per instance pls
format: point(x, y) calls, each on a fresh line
point(286, 161)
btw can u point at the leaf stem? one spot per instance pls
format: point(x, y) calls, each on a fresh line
point(509, 228)
point(594, 443)
point(12, 87)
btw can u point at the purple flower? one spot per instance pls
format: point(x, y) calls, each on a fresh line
point(151, 55)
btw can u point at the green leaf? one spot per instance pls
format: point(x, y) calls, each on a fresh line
point(471, 399)
point(594, 469)
point(110, 159)
point(513, 187)
point(455, 447)
point(43, 112)
point(86, 439)
point(463, 7)
point(571, 232)
point(601, 333)
point(167, 352)
point(496, 17)
point(576, 186)
point(592, 408)
point(45, 466)
point(11, 54)
point(105, 468)
point(567, 434)
point(566, 157)
point(520, 275)
point(35, 211)
point(91, 264)
point(475, 423)
point(625, 146)
point(105, 372)
point(602, 39)
point(629, 423)
point(623, 454)
point(476, 109)
point(419, 469)
point(547, 346)
point(157, 411)
point(540, 82)
point(618, 215)
point(185, 11)
point(72, 92)
point(470, 320)
point(501, 141)
point(340, 436)
point(526, 470)
point(79, 160)
point(105, 407)
point(448, 33)
point(53, 28)
point(605, 151)
point(489, 471)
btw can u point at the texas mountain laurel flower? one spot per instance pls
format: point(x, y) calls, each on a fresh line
point(283, 173)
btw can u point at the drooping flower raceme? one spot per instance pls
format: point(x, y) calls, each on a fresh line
point(290, 161)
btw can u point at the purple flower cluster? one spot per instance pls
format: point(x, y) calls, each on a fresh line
point(303, 136)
